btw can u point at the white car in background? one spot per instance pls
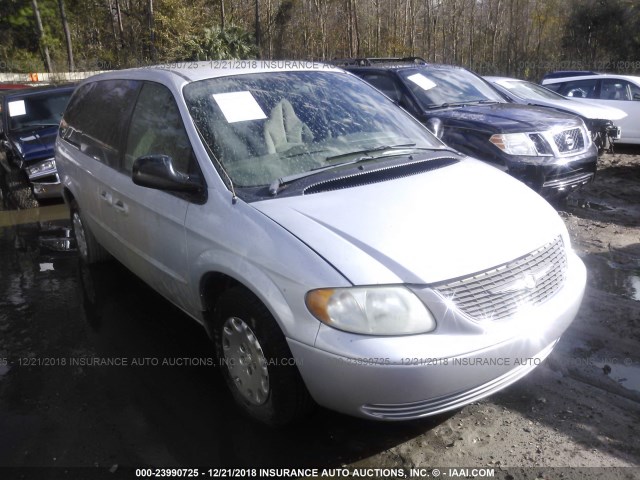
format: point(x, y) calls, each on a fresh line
point(602, 121)
point(619, 91)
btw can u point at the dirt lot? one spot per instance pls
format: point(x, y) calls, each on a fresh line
point(581, 408)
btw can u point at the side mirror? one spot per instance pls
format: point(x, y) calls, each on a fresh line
point(156, 171)
point(636, 96)
point(435, 126)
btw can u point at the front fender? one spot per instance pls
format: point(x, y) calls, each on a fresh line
point(258, 253)
point(285, 300)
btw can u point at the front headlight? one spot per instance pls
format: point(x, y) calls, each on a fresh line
point(389, 310)
point(17, 147)
point(515, 144)
point(46, 165)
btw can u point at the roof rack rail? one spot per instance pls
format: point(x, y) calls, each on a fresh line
point(369, 61)
point(568, 73)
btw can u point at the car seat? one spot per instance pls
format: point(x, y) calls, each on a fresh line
point(283, 129)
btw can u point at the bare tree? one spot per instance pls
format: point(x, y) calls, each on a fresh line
point(67, 35)
point(257, 5)
point(43, 45)
point(152, 39)
point(120, 27)
point(322, 11)
point(352, 29)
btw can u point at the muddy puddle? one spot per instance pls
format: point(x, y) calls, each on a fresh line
point(611, 275)
point(625, 372)
point(57, 238)
point(579, 202)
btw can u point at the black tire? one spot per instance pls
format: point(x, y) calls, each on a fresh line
point(19, 191)
point(89, 249)
point(240, 317)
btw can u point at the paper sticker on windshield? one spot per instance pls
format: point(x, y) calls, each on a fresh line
point(239, 106)
point(422, 81)
point(17, 108)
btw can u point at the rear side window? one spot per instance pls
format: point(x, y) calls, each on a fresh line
point(97, 116)
point(615, 89)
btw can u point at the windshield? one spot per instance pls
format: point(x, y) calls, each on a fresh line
point(266, 126)
point(435, 87)
point(33, 111)
point(529, 91)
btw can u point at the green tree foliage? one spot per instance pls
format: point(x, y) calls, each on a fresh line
point(19, 44)
point(215, 43)
point(522, 38)
point(602, 32)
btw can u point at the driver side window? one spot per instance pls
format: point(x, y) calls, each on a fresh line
point(157, 129)
point(580, 88)
point(385, 84)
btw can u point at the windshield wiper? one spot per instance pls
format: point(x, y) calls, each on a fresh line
point(459, 104)
point(305, 152)
point(483, 102)
point(34, 126)
point(367, 151)
point(278, 183)
point(435, 107)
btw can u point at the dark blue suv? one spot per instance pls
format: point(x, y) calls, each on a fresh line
point(550, 151)
point(29, 120)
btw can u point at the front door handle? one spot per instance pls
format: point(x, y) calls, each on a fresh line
point(106, 197)
point(120, 206)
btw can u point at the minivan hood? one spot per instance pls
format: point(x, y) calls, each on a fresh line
point(35, 145)
point(504, 118)
point(420, 229)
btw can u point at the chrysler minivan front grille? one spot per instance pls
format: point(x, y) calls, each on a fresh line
point(503, 291)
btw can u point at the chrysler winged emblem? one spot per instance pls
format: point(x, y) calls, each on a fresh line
point(526, 282)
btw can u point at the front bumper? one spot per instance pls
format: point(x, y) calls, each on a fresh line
point(603, 128)
point(45, 182)
point(402, 378)
point(556, 177)
point(45, 190)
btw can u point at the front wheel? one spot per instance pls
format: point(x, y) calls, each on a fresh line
point(88, 247)
point(19, 190)
point(256, 361)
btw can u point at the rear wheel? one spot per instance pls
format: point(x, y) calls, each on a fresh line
point(256, 361)
point(88, 247)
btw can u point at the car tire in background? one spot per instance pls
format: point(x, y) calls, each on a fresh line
point(256, 361)
point(89, 248)
point(18, 190)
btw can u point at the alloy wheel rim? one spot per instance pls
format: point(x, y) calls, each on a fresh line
point(245, 361)
point(81, 241)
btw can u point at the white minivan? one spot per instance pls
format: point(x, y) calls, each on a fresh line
point(336, 251)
